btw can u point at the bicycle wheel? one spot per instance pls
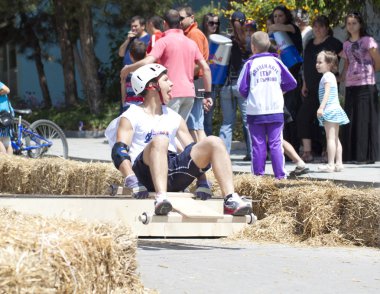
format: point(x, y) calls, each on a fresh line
point(52, 132)
point(14, 135)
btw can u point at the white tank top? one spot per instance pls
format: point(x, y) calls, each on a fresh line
point(145, 127)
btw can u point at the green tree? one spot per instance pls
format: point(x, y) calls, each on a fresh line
point(28, 26)
point(65, 40)
point(334, 9)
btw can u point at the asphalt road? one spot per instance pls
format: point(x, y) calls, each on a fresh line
point(219, 266)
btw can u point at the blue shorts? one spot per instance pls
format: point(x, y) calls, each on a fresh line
point(196, 117)
point(182, 171)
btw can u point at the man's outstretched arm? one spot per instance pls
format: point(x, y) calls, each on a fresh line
point(122, 160)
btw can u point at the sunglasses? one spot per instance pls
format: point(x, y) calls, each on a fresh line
point(213, 23)
point(181, 18)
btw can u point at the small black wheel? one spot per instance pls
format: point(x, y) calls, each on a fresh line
point(52, 132)
point(113, 189)
point(251, 219)
point(145, 218)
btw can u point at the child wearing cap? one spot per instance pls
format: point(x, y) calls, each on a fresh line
point(262, 82)
point(250, 27)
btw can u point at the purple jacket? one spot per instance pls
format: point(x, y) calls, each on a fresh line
point(262, 81)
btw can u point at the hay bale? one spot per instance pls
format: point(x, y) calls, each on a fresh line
point(46, 255)
point(360, 217)
point(278, 227)
point(323, 212)
point(332, 239)
point(55, 176)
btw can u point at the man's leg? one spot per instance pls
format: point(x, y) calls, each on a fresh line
point(2, 148)
point(155, 156)
point(228, 105)
point(195, 121)
point(211, 150)
point(242, 102)
point(182, 106)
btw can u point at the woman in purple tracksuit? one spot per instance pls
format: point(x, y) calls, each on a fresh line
point(263, 80)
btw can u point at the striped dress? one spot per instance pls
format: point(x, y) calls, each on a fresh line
point(333, 112)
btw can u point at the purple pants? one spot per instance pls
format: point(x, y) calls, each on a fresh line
point(259, 135)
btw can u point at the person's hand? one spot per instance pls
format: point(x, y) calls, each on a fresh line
point(319, 112)
point(203, 190)
point(207, 104)
point(124, 73)
point(304, 91)
point(131, 35)
point(138, 190)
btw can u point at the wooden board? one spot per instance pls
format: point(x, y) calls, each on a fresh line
point(193, 208)
point(127, 210)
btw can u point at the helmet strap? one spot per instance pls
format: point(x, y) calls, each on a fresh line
point(155, 86)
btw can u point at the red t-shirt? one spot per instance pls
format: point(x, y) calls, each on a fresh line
point(153, 40)
point(178, 54)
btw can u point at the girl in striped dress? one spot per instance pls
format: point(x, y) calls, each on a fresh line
point(330, 114)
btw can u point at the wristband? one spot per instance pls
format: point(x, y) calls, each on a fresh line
point(207, 94)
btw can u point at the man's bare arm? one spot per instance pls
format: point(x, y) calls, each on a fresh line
point(183, 134)
point(132, 67)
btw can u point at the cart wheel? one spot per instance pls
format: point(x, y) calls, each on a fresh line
point(113, 189)
point(145, 218)
point(251, 219)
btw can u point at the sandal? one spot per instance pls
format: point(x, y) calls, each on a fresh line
point(299, 170)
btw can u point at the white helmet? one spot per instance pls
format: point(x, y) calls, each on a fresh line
point(145, 74)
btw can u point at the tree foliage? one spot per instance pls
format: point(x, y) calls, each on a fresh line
point(259, 10)
point(81, 21)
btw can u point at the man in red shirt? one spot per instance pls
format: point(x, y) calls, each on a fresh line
point(154, 29)
point(179, 55)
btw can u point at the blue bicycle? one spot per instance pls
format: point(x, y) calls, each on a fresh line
point(41, 138)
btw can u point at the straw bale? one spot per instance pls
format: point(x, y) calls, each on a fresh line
point(55, 176)
point(323, 212)
point(332, 239)
point(278, 227)
point(360, 217)
point(47, 255)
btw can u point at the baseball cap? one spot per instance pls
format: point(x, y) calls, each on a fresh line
point(239, 16)
point(252, 24)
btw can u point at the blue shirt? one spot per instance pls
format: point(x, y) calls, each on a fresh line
point(4, 104)
point(127, 58)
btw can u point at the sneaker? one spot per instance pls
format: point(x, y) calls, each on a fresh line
point(339, 167)
point(235, 205)
point(162, 207)
point(326, 168)
point(299, 170)
point(247, 158)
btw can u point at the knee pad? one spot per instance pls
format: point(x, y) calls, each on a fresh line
point(120, 153)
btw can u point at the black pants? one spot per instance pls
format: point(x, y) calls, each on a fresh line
point(360, 138)
point(307, 123)
point(292, 101)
